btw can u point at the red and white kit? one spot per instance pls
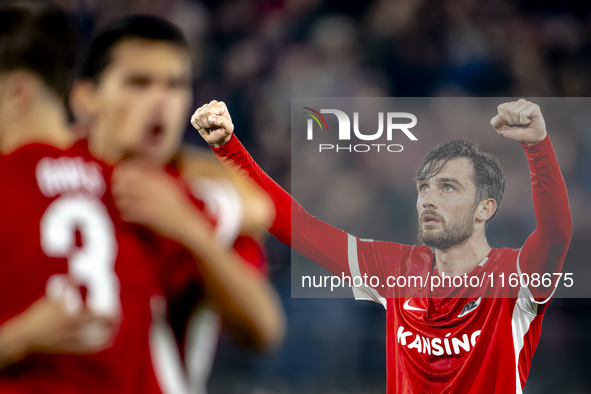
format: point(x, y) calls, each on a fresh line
point(436, 344)
point(60, 224)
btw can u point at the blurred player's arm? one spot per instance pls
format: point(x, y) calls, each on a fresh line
point(293, 225)
point(243, 297)
point(45, 327)
point(545, 249)
point(257, 211)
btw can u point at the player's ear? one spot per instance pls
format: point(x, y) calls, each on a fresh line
point(19, 90)
point(3, 90)
point(83, 100)
point(485, 210)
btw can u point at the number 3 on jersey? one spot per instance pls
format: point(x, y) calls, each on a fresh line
point(92, 264)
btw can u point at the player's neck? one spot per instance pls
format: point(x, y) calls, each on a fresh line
point(463, 258)
point(45, 122)
point(99, 145)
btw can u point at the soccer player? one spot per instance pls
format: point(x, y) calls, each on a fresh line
point(134, 90)
point(33, 81)
point(438, 344)
point(77, 284)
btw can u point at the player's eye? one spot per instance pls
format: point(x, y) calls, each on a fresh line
point(138, 81)
point(423, 188)
point(448, 188)
point(179, 83)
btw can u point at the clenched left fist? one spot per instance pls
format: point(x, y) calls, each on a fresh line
point(520, 121)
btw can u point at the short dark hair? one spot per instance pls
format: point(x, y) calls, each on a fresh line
point(98, 53)
point(39, 39)
point(488, 177)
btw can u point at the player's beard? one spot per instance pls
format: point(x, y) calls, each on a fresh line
point(451, 233)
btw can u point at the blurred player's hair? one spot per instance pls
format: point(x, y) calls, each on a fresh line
point(98, 53)
point(39, 39)
point(488, 177)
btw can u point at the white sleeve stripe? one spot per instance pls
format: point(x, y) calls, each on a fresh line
point(528, 292)
point(524, 314)
point(361, 292)
point(164, 353)
point(201, 342)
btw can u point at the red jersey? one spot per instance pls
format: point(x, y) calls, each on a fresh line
point(59, 225)
point(434, 344)
point(184, 330)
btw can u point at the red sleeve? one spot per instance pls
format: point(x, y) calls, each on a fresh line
point(326, 245)
point(294, 226)
point(545, 249)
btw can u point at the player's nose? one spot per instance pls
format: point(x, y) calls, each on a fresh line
point(429, 199)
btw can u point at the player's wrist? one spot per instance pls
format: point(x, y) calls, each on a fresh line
point(226, 144)
point(220, 143)
point(536, 141)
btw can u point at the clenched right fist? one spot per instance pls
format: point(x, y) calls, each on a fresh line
point(214, 123)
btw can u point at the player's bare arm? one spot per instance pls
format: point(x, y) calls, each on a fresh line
point(257, 207)
point(246, 302)
point(47, 327)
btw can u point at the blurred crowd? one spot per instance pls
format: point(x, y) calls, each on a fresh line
point(257, 55)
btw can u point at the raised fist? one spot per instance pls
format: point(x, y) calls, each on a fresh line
point(214, 123)
point(520, 121)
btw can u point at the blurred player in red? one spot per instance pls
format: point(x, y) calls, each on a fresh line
point(59, 233)
point(134, 92)
point(452, 340)
point(77, 284)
